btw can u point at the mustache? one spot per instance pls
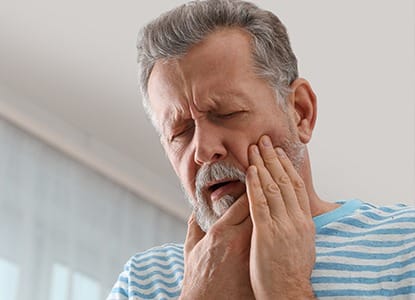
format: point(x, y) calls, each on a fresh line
point(214, 172)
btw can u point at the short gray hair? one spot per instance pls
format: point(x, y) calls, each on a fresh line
point(172, 34)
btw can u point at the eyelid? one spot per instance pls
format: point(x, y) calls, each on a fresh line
point(181, 132)
point(227, 115)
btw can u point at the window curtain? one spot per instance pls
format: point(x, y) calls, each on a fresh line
point(65, 230)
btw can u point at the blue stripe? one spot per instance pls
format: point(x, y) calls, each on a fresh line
point(157, 257)
point(367, 206)
point(392, 209)
point(156, 264)
point(360, 268)
point(119, 290)
point(366, 255)
point(145, 276)
point(155, 281)
point(370, 293)
point(387, 231)
point(377, 217)
point(360, 224)
point(365, 243)
point(363, 280)
point(154, 294)
point(386, 209)
point(346, 209)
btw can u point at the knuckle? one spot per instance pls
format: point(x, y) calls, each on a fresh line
point(298, 184)
point(283, 179)
point(256, 184)
point(216, 231)
point(262, 204)
point(272, 188)
point(269, 158)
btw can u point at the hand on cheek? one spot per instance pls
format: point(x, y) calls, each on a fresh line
point(282, 252)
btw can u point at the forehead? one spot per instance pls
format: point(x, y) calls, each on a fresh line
point(217, 68)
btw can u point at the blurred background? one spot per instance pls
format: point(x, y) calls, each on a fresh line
point(84, 183)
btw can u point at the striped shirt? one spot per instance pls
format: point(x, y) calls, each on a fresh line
point(363, 252)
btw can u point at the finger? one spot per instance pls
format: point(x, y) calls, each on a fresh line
point(296, 180)
point(237, 213)
point(268, 187)
point(194, 234)
point(278, 173)
point(258, 204)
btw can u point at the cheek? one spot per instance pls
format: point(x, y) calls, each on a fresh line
point(276, 131)
point(185, 169)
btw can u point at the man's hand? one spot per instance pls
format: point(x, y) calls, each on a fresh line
point(282, 248)
point(217, 263)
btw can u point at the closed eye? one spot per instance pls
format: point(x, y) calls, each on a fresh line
point(228, 115)
point(182, 134)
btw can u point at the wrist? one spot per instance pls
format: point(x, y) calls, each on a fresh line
point(294, 293)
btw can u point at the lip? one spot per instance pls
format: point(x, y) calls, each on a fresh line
point(226, 189)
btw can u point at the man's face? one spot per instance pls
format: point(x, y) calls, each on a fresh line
point(210, 106)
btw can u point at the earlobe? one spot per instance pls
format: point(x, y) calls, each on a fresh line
point(305, 108)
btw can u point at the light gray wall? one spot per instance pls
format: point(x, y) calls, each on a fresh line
point(53, 210)
point(359, 57)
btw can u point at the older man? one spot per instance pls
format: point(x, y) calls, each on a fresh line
point(220, 84)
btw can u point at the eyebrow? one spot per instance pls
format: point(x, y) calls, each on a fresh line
point(174, 119)
point(176, 115)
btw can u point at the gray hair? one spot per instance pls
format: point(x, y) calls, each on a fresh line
point(172, 34)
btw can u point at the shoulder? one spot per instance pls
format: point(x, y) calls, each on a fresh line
point(382, 215)
point(157, 272)
point(369, 215)
point(375, 221)
point(160, 255)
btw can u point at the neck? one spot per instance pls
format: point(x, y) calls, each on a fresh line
point(318, 206)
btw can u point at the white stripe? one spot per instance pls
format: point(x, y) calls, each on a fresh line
point(362, 261)
point(401, 297)
point(157, 268)
point(364, 287)
point(156, 277)
point(359, 230)
point(367, 237)
point(366, 249)
point(362, 274)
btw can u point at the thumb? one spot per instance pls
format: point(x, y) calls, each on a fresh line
point(237, 213)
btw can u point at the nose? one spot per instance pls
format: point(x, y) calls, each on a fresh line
point(208, 143)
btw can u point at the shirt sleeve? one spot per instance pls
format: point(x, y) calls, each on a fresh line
point(120, 289)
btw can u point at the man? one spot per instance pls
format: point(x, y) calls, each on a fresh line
point(221, 86)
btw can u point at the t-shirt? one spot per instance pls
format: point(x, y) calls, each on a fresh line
point(363, 251)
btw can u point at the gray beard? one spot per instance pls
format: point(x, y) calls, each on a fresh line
point(207, 213)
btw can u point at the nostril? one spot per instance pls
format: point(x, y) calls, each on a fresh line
point(217, 156)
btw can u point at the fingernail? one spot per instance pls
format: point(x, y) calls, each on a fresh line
point(255, 148)
point(266, 141)
point(280, 152)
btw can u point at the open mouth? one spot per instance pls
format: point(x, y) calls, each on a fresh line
point(217, 190)
point(218, 185)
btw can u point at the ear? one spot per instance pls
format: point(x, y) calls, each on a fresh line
point(304, 104)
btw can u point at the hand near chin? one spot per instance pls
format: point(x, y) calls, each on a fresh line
point(217, 262)
point(282, 248)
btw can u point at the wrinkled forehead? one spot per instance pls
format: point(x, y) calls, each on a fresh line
point(223, 60)
point(165, 89)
